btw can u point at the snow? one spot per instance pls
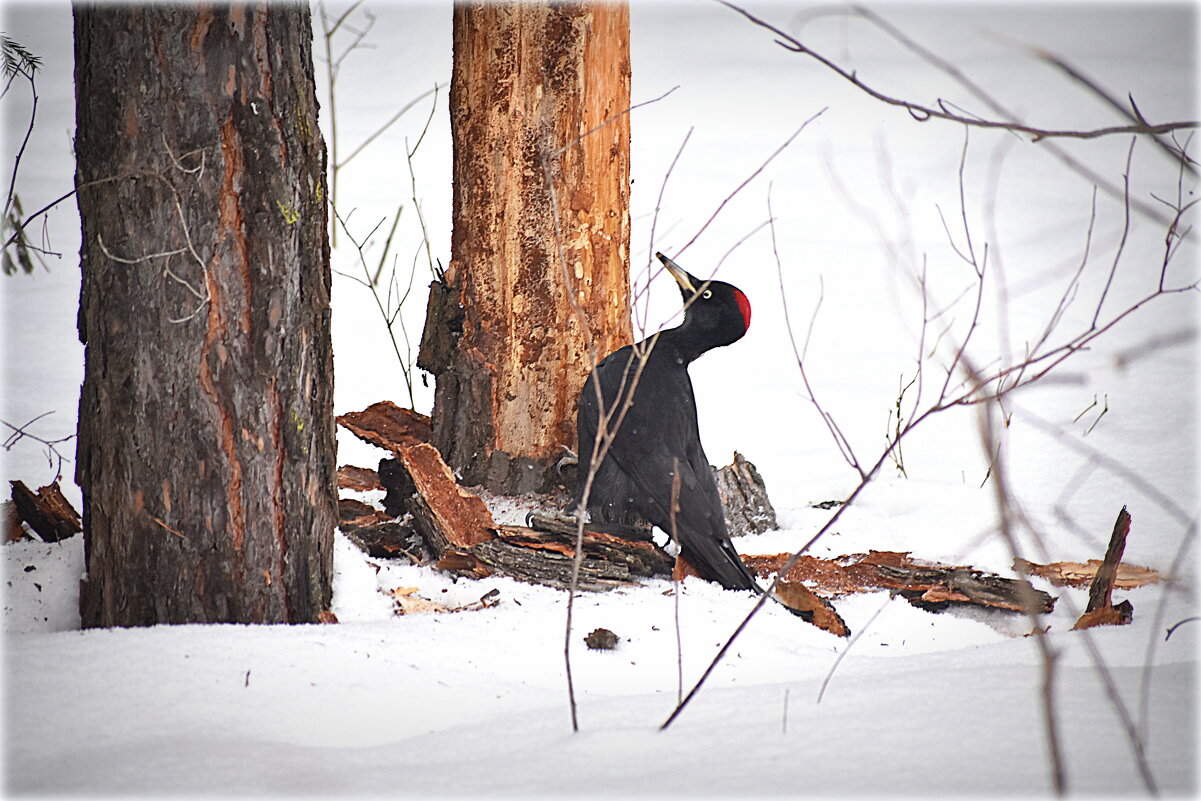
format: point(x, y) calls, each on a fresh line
point(474, 703)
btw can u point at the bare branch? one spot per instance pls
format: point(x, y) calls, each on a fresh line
point(750, 178)
point(555, 154)
point(840, 440)
point(53, 456)
point(922, 113)
point(391, 120)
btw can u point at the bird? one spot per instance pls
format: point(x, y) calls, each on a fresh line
point(651, 451)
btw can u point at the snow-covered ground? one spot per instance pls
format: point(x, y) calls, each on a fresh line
point(474, 703)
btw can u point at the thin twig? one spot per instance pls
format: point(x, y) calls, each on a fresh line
point(555, 154)
point(677, 584)
point(391, 120)
point(762, 166)
point(922, 113)
point(840, 440)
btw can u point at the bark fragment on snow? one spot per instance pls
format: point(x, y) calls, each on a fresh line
point(930, 586)
point(14, 531)
point(47, 511)
point(1101, 609)
point(359, 479)
point(816, 610)
point(1081, 574)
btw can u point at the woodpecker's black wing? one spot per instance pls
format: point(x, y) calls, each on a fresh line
point(657, 436)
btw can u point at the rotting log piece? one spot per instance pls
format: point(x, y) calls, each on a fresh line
point(377, 533)
point(459, 532)
point(929, 586)
point(47, 511)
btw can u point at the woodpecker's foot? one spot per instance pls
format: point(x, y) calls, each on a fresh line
point(569, 459)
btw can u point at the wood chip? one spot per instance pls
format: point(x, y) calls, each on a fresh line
point(47, 511)
point(1081, 574)
point(816, 610)
point(359, 479)
point(1101, 610)
point(923, 583)
point(388, 426)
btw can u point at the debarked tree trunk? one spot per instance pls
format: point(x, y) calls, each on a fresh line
point(538, 284)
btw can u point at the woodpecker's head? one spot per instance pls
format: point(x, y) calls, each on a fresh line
point(715, 313)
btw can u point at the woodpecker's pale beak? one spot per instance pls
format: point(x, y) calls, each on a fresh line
point(685, 280)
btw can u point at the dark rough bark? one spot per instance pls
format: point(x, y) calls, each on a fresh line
point(206, 434)
point(744, 499)
point(511, 334)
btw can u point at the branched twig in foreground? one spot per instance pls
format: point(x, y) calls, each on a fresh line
point(973, 390)
point(922, 113)
point(53, 456)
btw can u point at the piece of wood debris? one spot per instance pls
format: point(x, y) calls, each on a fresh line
point(799, 599)
point(359, 479)
point(448, 515)
point(47, 511)
point(14, 528)
point(374, 531)
point(601, 640)
point(813, 608)
point(459, 531)
point(1081, 574)
point(744, 498)
point(1101, 610)
point(924, 584)
point(388, 426)
point(545, 557)
point(408, 602)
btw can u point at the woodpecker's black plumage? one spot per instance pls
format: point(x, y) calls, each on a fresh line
point(657, 434)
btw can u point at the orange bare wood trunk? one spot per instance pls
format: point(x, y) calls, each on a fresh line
point(541, 218)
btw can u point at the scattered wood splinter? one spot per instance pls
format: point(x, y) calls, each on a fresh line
point(1101, 610)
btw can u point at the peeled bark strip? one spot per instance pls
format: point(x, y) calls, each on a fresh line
point(206, 434)
point(930, 586)
point(359, 479)
point(816, 610)
point(503, 337)
point(388, 426)
point(1081, 574)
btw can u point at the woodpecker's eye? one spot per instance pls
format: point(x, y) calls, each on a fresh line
point(708, 293)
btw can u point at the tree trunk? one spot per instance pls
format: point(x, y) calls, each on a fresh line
point(538, 284)
point(206, 432)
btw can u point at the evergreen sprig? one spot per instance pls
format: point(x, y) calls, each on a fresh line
point(17, 58)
